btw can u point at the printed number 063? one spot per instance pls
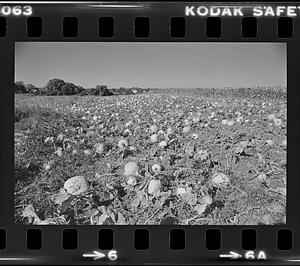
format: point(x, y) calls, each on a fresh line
point(16, 10)
point(112, 255)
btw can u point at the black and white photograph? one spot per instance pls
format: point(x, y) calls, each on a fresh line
point(150, 133)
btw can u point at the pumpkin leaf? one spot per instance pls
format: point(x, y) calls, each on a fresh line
point(139, 200)
point(60, 197)
point(200, 208)
point(102, 218)
point(189, 198)
point(30, 213)
point(120, 219)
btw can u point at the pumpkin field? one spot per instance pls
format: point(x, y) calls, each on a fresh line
point(157, 158)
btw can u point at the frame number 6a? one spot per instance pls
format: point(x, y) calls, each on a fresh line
point(251, 255)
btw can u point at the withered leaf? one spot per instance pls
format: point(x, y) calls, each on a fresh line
point(60, 197)
point(200, 208)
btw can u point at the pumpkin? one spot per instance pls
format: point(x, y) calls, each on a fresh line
point(269, 142)
point(220, 179)
point(284, 143)
point(162, 144)
point(180, 191)
point(154, 138)
point(195, 136)
point(76, 185)
point(153, 128)
point(224, 121)
point(206, 199)
point(123, 143)
point(169, 131)
point(131, 169)
point(154, 187)
point(186, 129)
point(131, 180)
point(196, 119)
point(230, 123)
point(156, 168)
point(99, 148)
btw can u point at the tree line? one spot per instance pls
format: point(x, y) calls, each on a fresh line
point(60, 87)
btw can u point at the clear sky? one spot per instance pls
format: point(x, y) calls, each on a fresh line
point(152, 64)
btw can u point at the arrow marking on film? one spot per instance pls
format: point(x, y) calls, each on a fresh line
point(96, 255)
point(232, 255)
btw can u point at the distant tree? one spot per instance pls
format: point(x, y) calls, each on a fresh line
point(78, 90)
point(103, 90)
point(53, 86)
point(128, 91)
point(92, 91)
point(122, 90)
point(83, 93)
point(115, 91)
point(68, 89)
point(20, 87)
point(43, 90)
point(31, 89)
point(53, 92)
point(89, 91)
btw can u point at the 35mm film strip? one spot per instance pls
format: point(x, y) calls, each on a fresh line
point(104, 26)
point(149, 132)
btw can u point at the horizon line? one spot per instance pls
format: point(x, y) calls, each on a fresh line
point(164, 87)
